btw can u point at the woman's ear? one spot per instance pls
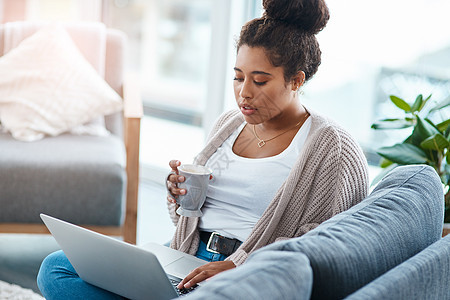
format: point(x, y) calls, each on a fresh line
point(298, 80)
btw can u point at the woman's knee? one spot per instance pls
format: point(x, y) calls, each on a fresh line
point(57, 279)
point(53, 267)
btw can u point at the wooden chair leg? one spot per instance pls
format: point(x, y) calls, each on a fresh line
point(133, 112)
point(132, 145)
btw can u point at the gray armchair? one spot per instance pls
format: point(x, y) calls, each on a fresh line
point(88, 180)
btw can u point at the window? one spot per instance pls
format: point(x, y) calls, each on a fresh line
point(184, 53)
point(170, 49)
point(363, 46)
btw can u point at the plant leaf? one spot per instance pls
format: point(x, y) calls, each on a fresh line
point(433, 125)
point(447, 170)
point(436, 142)
point(400, 103)
point(444, 126)
point(441, 105)
point(447, 133)
point(422, 131)
point(408, 140)
point(393, 124)
point(384, 163)
point(404, 154)
point(424, 102)
point(417, 104)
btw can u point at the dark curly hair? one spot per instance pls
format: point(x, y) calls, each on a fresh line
point(287, 32)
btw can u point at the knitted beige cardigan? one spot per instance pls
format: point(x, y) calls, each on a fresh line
point(329, 176)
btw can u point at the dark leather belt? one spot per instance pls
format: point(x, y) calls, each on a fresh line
point(216, 243)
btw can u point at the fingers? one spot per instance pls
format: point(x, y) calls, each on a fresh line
point(196, 279)
point(204, 272)
point(185, 280)
point(172, 196)
point(171, 199)
point(174, 164)
point(172, 185)
point(196, 276)
point(173, 180)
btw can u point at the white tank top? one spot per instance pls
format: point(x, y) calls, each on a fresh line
point(242, 188)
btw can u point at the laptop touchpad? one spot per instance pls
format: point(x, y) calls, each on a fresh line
point(183, 266)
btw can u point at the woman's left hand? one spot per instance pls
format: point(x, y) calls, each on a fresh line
point(204, 272)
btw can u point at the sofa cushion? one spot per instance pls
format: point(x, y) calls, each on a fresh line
point(89, 37)
point(423, 276)
point(80, 179)
point(401, 217)
point(273, 279)
point(47, 87)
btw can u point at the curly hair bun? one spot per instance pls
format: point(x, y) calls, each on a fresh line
point(309, 15)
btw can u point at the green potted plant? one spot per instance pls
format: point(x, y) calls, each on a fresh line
point(428, 142)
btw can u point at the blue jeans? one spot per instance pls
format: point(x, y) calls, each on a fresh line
point(57, 279)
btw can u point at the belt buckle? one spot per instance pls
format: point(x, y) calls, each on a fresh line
point(209, 243)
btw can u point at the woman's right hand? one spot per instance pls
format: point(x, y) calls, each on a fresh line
point(173, 180)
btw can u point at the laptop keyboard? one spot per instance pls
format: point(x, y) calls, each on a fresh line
point(181, 292)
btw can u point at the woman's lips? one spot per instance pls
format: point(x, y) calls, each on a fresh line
point(247, 110)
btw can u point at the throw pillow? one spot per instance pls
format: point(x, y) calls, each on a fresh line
point(47, 87)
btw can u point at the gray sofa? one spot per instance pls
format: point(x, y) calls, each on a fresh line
point(387, 247)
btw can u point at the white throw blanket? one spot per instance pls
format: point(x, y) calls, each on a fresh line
point(14, 292)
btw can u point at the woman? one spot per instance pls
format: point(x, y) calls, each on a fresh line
point(279, 169)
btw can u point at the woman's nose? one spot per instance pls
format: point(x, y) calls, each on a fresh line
point(246, 90)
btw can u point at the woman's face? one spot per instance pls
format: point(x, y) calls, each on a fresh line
point(260, 89)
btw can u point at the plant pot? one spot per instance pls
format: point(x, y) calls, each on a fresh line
point(446, 229)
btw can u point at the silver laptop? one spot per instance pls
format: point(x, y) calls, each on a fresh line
point(148, 272)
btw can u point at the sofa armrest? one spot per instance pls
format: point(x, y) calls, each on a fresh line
point(423, 276)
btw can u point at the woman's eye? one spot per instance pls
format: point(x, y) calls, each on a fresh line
point(260, 83)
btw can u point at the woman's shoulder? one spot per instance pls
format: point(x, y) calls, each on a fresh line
point(328, 134)
point(322, 125)
point(331, 142)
